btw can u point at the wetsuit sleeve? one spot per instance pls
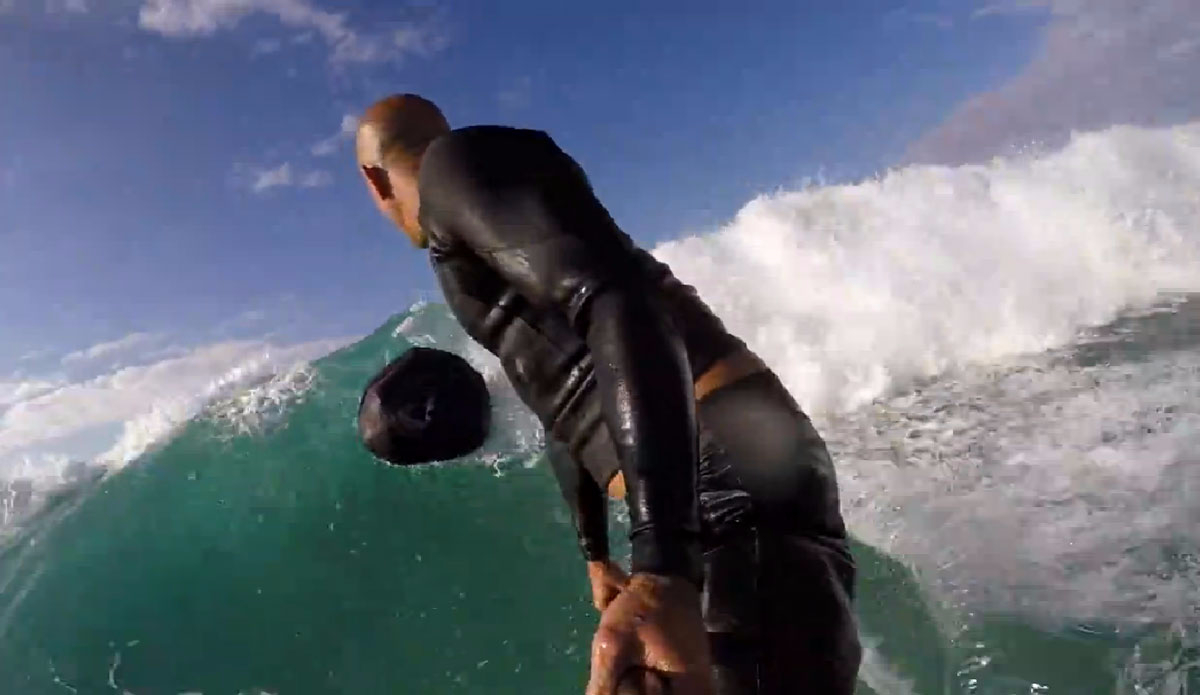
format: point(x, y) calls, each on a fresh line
point(589, 510)
point(530, 214)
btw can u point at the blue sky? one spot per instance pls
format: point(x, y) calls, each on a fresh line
point(129, 200)
point(176, 180)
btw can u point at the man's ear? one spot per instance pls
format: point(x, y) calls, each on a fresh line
point(377, 177)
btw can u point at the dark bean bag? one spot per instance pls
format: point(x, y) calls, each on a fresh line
point(426, 405)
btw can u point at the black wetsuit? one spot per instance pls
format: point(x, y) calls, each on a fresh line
point(603, 344)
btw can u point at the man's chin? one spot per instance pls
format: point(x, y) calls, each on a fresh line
point(419, 239)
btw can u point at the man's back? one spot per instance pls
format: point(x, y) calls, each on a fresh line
point(547, 361)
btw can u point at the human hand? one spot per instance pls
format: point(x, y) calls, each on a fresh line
point(654, 623)
point(607, 580)
point(643, 681)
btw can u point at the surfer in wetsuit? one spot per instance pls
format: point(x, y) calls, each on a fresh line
point(741, 578)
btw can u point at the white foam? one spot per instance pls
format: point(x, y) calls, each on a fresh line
point(850, 290)
point(254, 409)
point(239, 365)
point(1038, 490)
point(112, 419)
point(1054, 491)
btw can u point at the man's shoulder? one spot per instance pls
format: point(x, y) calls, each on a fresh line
point(485, 134)
point(464, 167)
point(482, 149)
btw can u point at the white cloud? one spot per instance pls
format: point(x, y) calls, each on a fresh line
point(420, 40)
point(934, 20)
point(262, 180)
point(1099, 63)
point(331, 144)
point(1181, 49)
point(164, 393)
point(111, 348)
point(903, 18)
point(314, 179)
point(266, 47)
point(518, 95)
point(192, 18)
point(13, 392)
point(1010, 7)
point(35, 355)
point(50, 6)
point(265, 179)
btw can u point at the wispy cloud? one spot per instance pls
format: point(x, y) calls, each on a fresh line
point(267, 179)
point(938, 21)
point(266, 47)
point(33, 355)
point(1100, 63)
point(261, 180)
point(49, 6)
point(112, 348)
point(904, 17)
point(71, 6)
point(195, 18)
point(1009, 8)
point(331, 144)
point(517, 95)
point(16, 391)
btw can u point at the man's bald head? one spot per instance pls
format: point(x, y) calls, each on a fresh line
point(392, 137)
point(397, 130)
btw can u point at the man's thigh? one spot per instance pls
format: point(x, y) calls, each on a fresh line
point(779, 615)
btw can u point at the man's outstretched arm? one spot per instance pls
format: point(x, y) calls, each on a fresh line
point(589, 510)
point(526, 209)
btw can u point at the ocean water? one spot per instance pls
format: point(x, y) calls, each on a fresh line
point(1004, 359)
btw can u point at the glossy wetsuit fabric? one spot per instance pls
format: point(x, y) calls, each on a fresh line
point(601, 342)
point(588, 503)
point(592, 332)
point(778, 575)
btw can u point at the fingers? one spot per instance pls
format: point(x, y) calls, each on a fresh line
point(607, 584)
point(643, 681)
point(610, 594)
point(604, 593)
point(603, 597)
point(612, 655)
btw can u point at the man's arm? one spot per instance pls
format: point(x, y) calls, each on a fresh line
point(589, 510)
point(526, 209)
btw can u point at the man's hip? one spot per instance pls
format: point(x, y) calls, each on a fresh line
point(779, 615)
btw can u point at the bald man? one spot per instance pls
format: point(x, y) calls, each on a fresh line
point(741, 577)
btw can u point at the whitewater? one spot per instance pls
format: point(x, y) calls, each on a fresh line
point(1003, 357)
